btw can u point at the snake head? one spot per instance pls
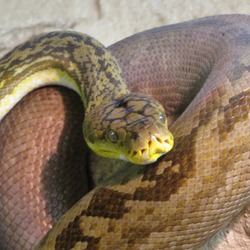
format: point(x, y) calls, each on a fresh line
point(132, 128)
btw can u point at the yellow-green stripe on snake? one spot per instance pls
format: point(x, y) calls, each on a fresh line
point(199, 71)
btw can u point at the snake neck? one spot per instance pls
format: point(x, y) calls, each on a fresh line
point(70, 59)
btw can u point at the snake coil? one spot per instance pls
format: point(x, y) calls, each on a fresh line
point(199, 71)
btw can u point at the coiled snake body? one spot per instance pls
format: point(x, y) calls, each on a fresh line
point(199, 71)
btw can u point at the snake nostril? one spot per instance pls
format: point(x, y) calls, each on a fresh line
point(149, 143)
point(169, 140)
point(143, 150)
point(134, 153)
point(159, 139)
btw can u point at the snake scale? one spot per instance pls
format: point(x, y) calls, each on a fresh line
point(199, 72)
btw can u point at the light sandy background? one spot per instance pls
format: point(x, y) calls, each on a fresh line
point(106, 20)
point(110, 21)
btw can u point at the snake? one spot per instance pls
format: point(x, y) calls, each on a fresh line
point(168, 195)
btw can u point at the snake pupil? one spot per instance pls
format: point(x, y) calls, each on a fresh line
point(112, 135)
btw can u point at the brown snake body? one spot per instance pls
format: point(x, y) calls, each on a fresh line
point(199, 71)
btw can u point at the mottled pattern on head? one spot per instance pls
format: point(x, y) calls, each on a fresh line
point(128, 128)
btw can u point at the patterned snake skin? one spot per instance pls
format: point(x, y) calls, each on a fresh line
point(200, 72)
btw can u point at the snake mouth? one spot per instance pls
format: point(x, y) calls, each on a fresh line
point(154, 148)
point(143, 151)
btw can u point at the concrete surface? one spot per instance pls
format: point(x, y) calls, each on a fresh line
point(110, 21)
point(106, 20)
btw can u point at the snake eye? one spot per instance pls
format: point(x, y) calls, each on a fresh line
point(112, 136)
point(162, 118)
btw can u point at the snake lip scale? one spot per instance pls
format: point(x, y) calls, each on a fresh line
point(192, 79)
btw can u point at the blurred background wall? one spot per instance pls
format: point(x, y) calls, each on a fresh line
point(106, 20)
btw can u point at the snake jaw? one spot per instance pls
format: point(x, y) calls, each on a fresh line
point(154, 148)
